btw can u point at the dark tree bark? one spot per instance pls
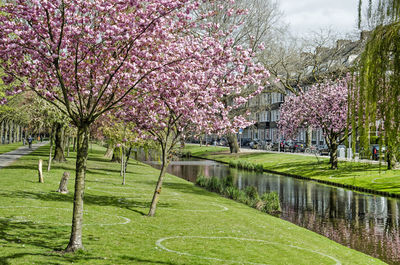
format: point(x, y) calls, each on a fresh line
point(51, 148)
point(233, 143)
point(75, 242)
point(333, 148)
point(6, 132)
point(157, 191)
point(128, 155)
point(68, 145)
point(116, 157)
point(63, 188)
point(391, 160)
point(59, 143)
point(11, 132)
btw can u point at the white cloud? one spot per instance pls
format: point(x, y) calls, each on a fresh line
point(311, 15)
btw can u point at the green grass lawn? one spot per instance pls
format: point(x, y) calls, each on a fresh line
point(365, 175)
point(192, 225)
point(4, 148)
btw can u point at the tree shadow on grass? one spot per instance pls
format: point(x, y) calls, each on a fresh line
point(135, 260)
point(41, 236)
point(122, 202)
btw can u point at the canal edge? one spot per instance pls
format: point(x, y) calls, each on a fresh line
point(346, 186)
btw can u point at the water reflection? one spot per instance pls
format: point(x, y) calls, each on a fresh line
point(364, 222)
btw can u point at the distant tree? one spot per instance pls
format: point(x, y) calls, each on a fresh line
point(322, 106)
point(253, 24)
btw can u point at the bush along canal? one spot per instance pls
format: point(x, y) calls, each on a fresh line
point(367, 223)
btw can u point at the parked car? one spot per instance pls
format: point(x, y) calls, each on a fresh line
point(256, 144)
point(323, 150)
point(246, 141)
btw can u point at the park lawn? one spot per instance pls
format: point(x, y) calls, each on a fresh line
point(4, 148)
point(359, 174)
point(192, 225)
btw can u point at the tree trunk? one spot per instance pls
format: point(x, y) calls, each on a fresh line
point(11, 131)
point(233, 143)
point(59, 144)
point(63, 188)
point(116, 157)
point(309, 136)
point(74, 145)
point(6, 132)
point(2, 132)
point(146, 154)
point(157, 191)
point(391, 160)
point(75, 242)
point(128, 155)
point(68, 145)
point(333, 146)
point(40, 171)
point(109, 150)
point(15, 133)
point(123, 165)
point(51, 148)
point(122, 162)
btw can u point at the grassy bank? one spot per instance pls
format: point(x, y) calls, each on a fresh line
point(192, 225)
point(358, 174)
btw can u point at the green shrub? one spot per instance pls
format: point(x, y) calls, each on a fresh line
point(215, 184)
point(232, 193)
point(227, 181)
point(259, 168)
point(243, 198)
point(201, 181)
point(252, 192)
point(233, 163)
point(271, 203)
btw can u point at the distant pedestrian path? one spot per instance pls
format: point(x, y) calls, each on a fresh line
point(7, 158)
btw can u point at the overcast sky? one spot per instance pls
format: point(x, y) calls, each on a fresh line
point(305, 16)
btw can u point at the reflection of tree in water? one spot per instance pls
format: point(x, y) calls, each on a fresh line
point(363, 234)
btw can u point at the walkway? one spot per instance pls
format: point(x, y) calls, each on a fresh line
point(7, 158)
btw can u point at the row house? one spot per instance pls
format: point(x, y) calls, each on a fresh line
point(328, 62)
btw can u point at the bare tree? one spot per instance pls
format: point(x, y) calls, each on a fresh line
point(255, 24)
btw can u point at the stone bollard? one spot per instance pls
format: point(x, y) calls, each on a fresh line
point(64, 183)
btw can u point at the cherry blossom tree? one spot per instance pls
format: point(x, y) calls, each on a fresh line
point(323, 106)
point(85, 57)
point(189, 97)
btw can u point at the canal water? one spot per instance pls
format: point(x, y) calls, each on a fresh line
point(367, 223)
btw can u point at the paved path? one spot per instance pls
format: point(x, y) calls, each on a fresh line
point(7, 158)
